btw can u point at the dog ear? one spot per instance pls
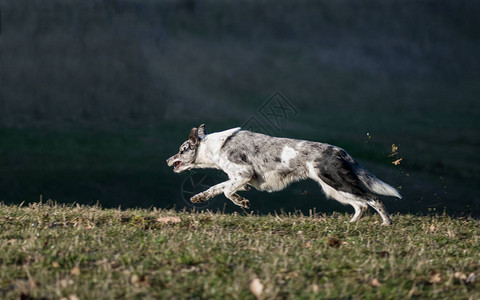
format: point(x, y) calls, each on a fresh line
point(193, 138)
point(201, 132)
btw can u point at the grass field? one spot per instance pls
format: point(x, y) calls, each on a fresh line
point(50, 251)
point(95, 95)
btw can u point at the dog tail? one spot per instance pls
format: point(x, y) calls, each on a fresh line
point(374, 184)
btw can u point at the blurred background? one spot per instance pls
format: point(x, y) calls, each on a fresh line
point(95, 95)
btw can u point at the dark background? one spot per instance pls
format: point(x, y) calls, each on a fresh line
point(95, 95)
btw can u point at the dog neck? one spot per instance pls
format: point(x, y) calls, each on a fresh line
point(208, 152)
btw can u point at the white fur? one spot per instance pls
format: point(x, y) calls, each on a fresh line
point(287, 154)
point(209, 155)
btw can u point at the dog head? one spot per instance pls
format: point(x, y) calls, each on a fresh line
point(187, 154)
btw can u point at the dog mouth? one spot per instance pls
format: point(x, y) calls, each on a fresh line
point(176, 165)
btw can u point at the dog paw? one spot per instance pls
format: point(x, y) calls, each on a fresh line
point(245, 203)
point(388, 223)
point(198, 199)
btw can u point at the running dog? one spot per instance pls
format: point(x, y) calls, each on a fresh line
point(271, 163)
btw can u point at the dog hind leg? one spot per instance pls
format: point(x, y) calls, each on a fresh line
point(360, 209)
point(350, 187)
point(376, 204)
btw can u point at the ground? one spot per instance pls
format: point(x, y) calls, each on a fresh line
point(50, 251)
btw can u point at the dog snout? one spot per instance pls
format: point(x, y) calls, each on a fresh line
point(171, 160)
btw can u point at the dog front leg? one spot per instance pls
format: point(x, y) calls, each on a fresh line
point(239, 184)
point(211, 192)
point(229, 188)
point(244, 188)
point(238, 200)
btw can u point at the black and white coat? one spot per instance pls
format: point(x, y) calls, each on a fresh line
point(271, 163)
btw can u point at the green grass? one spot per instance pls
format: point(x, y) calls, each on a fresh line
point(53, 251)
